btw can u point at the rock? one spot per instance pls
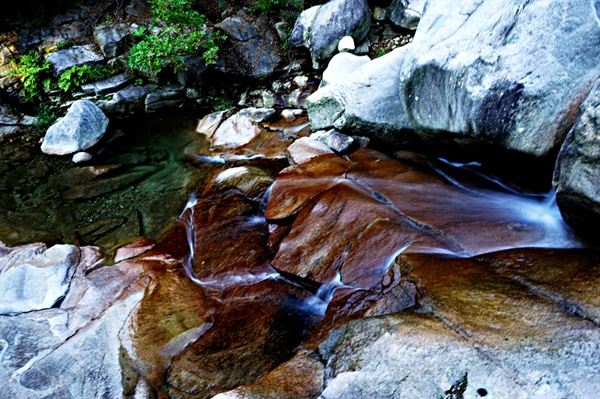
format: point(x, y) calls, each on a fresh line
point(255, 52)
point(250, 180)
point(366, 102)
point(36, 278)
point(346, 44)
point(134, 249)
point(62, 60)
point(210, 123)
point(379, 13)
point(337, 141)
point(111, 38)
point(164, 98)
point(578, 167)
point(81, 157)
point(128, 101)
point(291, 114)
point(341, 67)
point(240, 128)
point(321, 28)
point(477, 77)
point(305, 149)
point(406, 13)
point(81, 128)
point(12, 124)
point(109, 85)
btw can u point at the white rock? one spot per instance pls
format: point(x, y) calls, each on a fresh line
point(306, 148)
point(210, 123)
point(241, 128)
point(346, 44)
point(81, 157)
point(36, 278)
point(341, 67)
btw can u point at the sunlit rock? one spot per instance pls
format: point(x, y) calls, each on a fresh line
point(111, 37)
point(306, 148)
point(578, 168)
point(240, 128)
point(36, 278)
point(209, 124)
point(62, 60)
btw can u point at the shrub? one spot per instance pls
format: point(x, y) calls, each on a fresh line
point(47, 115)
point(177, 31)
point(74, 77)
point(268, 6)
point(35, 75)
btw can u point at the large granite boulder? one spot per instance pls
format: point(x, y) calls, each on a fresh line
point(321, 28)
point(506, 74)
point(366, 102)
point(576, 177)
point(111, 38)
point(81, 128)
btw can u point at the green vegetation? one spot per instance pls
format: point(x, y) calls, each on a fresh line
point(177, 31)
point(35, 75)
point(47, 115)
point(269, 6)
point(220, 103)
point(74, 77)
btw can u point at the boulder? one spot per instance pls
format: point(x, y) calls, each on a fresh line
point(255, 51)
point(210, 123)
point(341, 66)
point(111, 37)
point(321, 28)
point(306, 148)
point(62, 60)
point(81, 128)
point(35, 278)
point(241, 128)
point(406, 13)
point(366, 102)
point(508, 75)
point(578, 167)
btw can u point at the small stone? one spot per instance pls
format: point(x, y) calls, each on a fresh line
point(346, 44)
point(82, 157)
point(291, 114)
point(301, 80)
point(268, 99)
point(379, 13)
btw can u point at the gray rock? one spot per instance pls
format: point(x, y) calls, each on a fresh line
point(335, 140)
point(321, 29)
point(35, 278)
point(12, 124)
point(256, 50)
point(341, 66)
point(406, 13)
point(169, 97)
point(109, 85)
point(366, 102)
point(81, 157)
point(576, 176)
point(111, 38)
point(62, 60)
point(505, 74)
point(81, 128)
point(127, 101)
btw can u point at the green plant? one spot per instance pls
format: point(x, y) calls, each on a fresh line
point(268, 6)
point(47, 115)
point(35, 75)
point(177, 31)
point(220, 103)
point(75, 76)
point(381, 53)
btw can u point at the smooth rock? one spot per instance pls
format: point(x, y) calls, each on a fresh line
point(81, 157)
point(340, 68)
point(576, 176)
point(240, 128)
point(210, 123)
point(321, 29)
point(366, 102)
point(62, 60)
point(504, 75)
point(406, 13)
point(305, 149)
point(36, 278)
point(127, 101)
point(81, 128)
point(346, 44)
point(110, 37)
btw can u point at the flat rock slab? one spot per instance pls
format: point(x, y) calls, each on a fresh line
point(62, 60)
